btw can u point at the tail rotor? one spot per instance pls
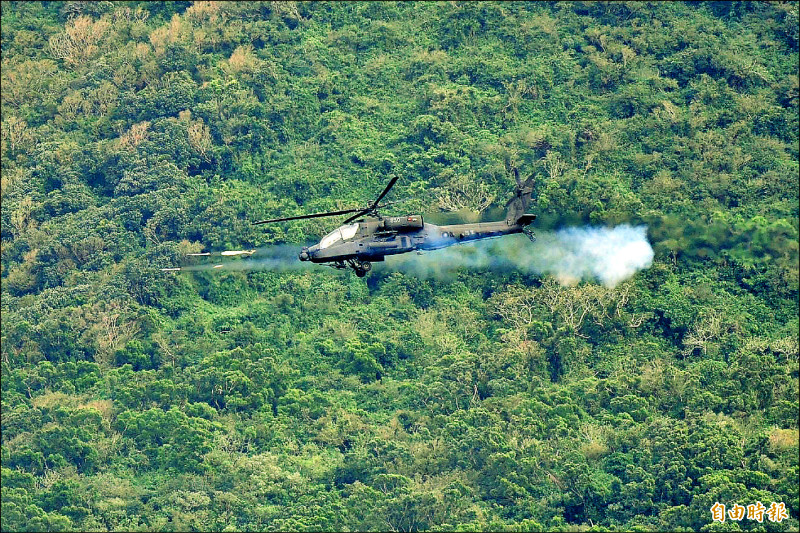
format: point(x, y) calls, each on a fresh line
point(518, 204)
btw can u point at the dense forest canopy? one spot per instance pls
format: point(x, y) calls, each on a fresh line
point(309, 399)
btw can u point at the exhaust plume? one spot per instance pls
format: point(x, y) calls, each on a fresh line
point(609, 255)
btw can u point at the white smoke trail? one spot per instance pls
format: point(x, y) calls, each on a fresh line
point(570, 255)
point(273, 257)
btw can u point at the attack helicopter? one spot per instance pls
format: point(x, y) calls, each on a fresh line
point(366, 236)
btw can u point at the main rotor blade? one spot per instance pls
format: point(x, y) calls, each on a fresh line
point(315, 215)
point(386, 190)
point(360, 210)
point(357, 215)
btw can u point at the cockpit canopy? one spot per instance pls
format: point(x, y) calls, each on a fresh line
point(342, 233)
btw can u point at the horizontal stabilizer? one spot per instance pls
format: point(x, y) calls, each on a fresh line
point(526, 219)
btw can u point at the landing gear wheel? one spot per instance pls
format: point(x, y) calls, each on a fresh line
point(361, 267)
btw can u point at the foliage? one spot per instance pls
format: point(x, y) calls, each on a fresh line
point(275, 400)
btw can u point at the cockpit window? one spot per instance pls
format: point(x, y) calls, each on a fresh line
point(342, 233)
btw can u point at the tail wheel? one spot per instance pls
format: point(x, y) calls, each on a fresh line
point(366, 266)
point(528, 231)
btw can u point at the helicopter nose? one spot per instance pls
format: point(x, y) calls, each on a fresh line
point(304, 254)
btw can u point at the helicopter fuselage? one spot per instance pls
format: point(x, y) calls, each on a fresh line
point(372, 239)
point(366, 236)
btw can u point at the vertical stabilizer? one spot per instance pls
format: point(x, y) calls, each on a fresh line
point(516, 207)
